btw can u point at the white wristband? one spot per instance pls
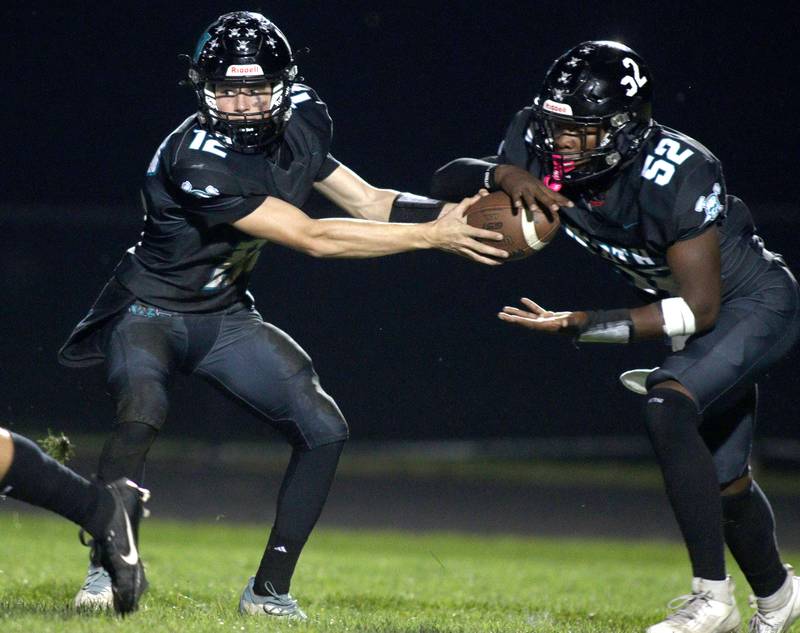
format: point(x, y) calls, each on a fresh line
point(678, 317)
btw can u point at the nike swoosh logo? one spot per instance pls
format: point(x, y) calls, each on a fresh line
point(133, 555)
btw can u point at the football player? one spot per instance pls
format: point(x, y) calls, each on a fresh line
point(109, 513)
point(230, 178)
point(652, 202)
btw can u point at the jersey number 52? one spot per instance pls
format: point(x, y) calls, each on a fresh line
point(662, 170)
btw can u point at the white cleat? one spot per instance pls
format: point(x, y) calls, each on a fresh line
point(635, 380)
point(96, 593)
point(708, 609)
point(275, 605)
point(777, 619)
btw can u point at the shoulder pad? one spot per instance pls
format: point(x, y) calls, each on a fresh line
point(681, 180)
point(307, 106)
point(688, 141)
point(669, 159)
point(200, 166)
point(305, 99)
point(516, 141)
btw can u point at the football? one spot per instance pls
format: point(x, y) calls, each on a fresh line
point(524, 232)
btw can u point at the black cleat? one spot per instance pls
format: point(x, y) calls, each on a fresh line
point(118, 550)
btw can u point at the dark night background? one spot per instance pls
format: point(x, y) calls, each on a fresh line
point(408, 345)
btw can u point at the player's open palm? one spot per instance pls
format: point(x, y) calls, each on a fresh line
point(535, 317)
point(451, 233)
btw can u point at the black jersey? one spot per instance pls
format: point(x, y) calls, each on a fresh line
point(190, 258)
point(673, 190)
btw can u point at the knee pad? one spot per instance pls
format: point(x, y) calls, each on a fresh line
point(144, 402)
point(668, 415)
point(314, 416)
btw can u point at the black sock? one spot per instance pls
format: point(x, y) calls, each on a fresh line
point(689, 478)
point(277, 565)
point(125, 451)
point(302, 495)
point(37, 478)
point(750, 534)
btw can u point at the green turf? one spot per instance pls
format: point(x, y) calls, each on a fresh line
point(377, 582)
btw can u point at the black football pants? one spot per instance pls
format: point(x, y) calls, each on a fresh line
point(721, 366)
point(250, 359)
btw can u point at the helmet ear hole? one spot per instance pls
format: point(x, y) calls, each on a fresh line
point(619, 119)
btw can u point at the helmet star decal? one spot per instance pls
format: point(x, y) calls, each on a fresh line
point(250, 33)
point(234, 32)
point(558, 94)
point(564, 78)
point(573, 61)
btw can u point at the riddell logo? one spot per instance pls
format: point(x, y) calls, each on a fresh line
point(244, 70)
point(558, 108)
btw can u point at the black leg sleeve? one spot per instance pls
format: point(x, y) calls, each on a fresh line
point(302, 496)
point(38, 479)
point(125, 451)
point(750, 534)
point(689, 478)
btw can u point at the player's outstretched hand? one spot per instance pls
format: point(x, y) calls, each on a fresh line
point(528, 192)
point(451, 233)
point(535, 317)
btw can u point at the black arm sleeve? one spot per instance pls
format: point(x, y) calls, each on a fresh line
point(460, 178)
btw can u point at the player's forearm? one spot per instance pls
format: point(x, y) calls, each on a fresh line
point(647, 322)
point(671, 317)
point(351, 193)
point(388, 205)
point(460, 178)
point(363, 201)
point(337, 237)
point(378, 206)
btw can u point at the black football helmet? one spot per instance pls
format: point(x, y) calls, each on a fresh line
point(243, 48)
point(596, 88)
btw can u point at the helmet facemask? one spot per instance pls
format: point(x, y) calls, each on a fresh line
point(603, 142)
point(251, 131)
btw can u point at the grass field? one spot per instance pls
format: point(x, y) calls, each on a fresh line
point(377, 582)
